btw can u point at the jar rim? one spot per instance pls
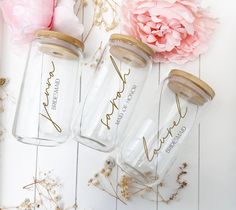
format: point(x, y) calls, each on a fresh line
point(131, 40)
point(61, 36)
point(195, 80)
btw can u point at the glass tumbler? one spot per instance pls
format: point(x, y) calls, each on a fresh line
point(49, 89)
point(119, 80)
point(154, 140)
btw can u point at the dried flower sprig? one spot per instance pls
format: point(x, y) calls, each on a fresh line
point(27, 204)
point(3, 93)
point(101, 8)
point(3, 96)
point(47, 195)
point(104, 176)
point(2, 133)
point(128, 187)
point(181, 184)
point(100, 18)
point(78, 5)
point(3, 81)
point(97, 58)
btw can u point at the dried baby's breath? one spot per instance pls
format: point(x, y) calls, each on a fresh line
point(127, 187)
point(105, 14)
point(78, 5)
point(3, 96)
point(101, 7)
point(180, 182)
point(3, 81)
point(47, 195)
point(3, 93)
point(104, 175)
point(97, 58)
point(2, 133)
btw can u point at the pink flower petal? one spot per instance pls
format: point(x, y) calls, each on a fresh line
point(139, 11)
point(66, 22)
point(143, 18)
point(177, 30)
point(26, 17)
point(151, 38)
point(155, 19)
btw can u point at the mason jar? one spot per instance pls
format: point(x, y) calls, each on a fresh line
point(49, 89)
point(119, 79)
point(155, 139)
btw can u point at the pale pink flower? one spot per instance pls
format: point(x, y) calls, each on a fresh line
point(26, 16)
point(65, 20)
point(177, 30)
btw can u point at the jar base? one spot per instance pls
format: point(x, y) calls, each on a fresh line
point(137, 175)
point(38, 142)
point(93, 144)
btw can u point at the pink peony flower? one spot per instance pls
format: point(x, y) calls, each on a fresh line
point(177, 30)
point(65, 20)
point(25, 17)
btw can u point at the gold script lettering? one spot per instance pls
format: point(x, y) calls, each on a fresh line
point(45, 104)
point(118, 94)
point(162, 140)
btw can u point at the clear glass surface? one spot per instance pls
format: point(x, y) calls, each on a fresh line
point(118, 82)
point(154, 139)
point(48, 93)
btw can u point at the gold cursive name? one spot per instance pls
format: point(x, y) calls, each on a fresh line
point(118, 94)
point(45, 104)
point(163, 139)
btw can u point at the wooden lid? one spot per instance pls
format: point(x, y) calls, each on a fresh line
point(195, 80)
point(60, 36)
point(58, 51)
point(187, 93)
point(133, 41)
point(128, 57)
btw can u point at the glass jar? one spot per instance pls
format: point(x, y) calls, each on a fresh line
point(49, 89)
point(154, 140)
point(119, 78)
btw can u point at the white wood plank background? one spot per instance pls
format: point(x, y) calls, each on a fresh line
point(210, 150)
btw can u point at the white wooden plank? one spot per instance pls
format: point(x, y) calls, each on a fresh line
point(17, 160)
point(218, 168)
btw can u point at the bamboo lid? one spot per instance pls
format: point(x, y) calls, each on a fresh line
point(133, 41)
point(187, 93)
point(60, 36)
point(195, 80)
point(128, 56)
point(58, 51)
